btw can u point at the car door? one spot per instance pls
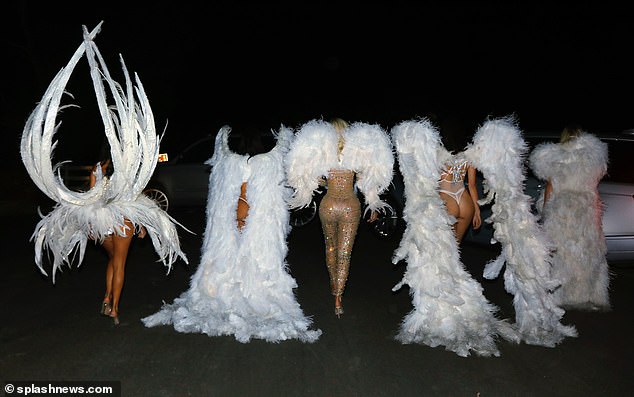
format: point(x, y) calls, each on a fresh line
point(617, 195)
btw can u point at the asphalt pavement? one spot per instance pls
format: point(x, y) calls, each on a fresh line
point(54, 333)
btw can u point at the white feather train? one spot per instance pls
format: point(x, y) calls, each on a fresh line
point(134, 147)
point(367, 152)
point(449, 306)
point(242, 286)
point(498, 151)
point(572, 219)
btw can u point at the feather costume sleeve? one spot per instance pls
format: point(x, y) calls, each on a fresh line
point(449, 306)
point(131, 133)
point(368, 152)
point(242, 286)
point(312, 153)
point(498, 151)
point(583, 159)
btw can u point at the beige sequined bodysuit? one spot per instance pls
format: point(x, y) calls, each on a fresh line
point(339, 212)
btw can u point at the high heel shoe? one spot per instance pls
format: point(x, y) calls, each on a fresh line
point(338, 311)
point(338, 306)
point(105, 309)
point(115, 319)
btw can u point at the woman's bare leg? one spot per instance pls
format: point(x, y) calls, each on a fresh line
point(452, 207)
point(108, 245)
point(121, 248)
point(465, 216)
point(463, 213)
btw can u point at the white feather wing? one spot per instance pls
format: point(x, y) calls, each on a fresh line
point(130, 130)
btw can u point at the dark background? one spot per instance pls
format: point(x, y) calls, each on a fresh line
point(261, 65)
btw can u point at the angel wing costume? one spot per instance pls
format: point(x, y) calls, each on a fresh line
point(449, 305)
point(360, 151)
point(572, 219)
point(242, 286)
point(134, 147)
point(498, 151)
point(367, 151)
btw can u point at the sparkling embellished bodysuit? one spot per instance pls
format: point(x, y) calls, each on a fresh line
point(452, 178)
point(339, 212)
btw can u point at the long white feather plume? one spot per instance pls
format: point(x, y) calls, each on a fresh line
point(368, 152)
point(498, 151)
point(312, 153)
point(134, 147)
point(449, 305)
point(242, 286)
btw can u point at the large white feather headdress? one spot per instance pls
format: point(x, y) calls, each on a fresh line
point(134, 147)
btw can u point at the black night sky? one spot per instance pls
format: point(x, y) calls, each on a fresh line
point(262, 65)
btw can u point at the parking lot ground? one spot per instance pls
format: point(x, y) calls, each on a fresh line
point(53, 332)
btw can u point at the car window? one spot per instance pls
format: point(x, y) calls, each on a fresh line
point(198, 152)
point(201, 151)
point(619, 168)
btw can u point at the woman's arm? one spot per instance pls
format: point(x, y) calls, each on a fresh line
point(93, 175)
point(473, 192)
point(548, 191)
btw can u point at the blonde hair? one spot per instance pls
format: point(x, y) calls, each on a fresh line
point(570, 132)
point(340, 125)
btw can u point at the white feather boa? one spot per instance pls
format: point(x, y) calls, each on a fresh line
point(367, 151)
point(572, 219)
point(449, 305)
point(498, 151)
point(131, 133)
point(242, 286)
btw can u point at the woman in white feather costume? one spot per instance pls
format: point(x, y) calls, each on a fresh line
point(115, 204)
point(347, 157)
point(571, 215)
point(461, 201)
point(449, 305)
point(499, 151)
point(242, 286)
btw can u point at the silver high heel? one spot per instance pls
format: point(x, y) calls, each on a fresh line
point(105, 309)
point(338, 311)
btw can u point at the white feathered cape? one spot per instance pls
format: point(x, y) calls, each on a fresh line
point(367, 151)
point(242, 286)
point(498, 151)
point(572, 219)
point(134, 147)
point(449, 306)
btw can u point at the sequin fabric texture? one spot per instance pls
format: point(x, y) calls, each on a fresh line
point(339, 212)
